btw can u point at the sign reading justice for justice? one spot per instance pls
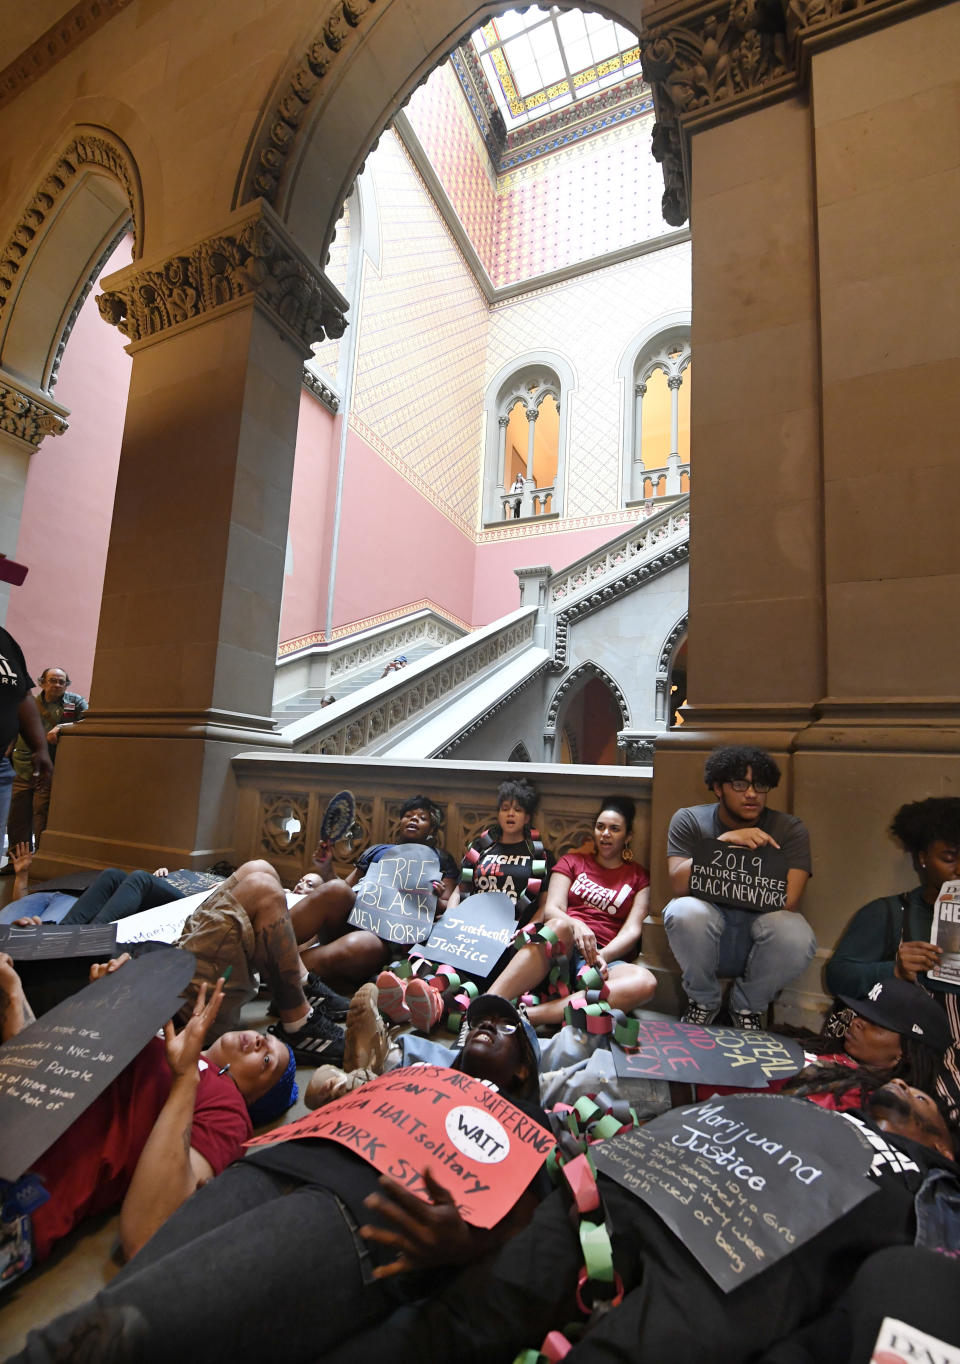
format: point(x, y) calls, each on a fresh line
point(743, 878)
point(474, 934)
point(396, 899)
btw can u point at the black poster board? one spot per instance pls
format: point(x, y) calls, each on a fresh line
point(743, 878)
point(51, 942)
point(189, 882)
point(745, 1180)
point(52, 1071)
point(396, 899)
point(669, 1050)
point(474, 934)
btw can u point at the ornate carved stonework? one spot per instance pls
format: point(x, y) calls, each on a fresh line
point(321, 390)
point(89, 148)
point(576, 678)
point(639, 752)
point(26, 416)
point(255, 258)
point(708, 62)
point(488, 714)
point(78, 24)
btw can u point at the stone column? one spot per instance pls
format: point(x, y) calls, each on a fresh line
point(186, 650)
point(635, 488)
point(673, 458)
point(26, 417)
point(502, 424)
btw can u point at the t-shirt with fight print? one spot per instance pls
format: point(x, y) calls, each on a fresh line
point(600, 897)
point(506, 867)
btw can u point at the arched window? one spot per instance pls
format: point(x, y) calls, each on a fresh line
point(526, 439)
point(656, 448)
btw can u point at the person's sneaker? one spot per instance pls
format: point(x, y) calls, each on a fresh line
point(319, 1040)
point(391, 993)
point(365, 1045)
point(746, 1021)
point(319, 992)
point(424, 1005)
point(697, 1014)
point(331, 1082)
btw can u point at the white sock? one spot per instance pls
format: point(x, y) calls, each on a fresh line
point(300, 1023)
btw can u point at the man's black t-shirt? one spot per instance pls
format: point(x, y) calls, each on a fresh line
point(15, 683)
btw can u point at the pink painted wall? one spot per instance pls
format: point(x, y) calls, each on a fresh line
point(68, 503)
point(396, 547)
point(497, 590)
point(311, 521)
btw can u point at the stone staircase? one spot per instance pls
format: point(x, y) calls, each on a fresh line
point(308, 701)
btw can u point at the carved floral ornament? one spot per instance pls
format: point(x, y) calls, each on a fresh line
point(26, 417)
point(255, 259)
point(704, 63)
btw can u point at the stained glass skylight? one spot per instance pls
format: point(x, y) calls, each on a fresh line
point(546, 58)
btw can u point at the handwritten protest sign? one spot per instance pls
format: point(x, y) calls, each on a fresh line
point(52, 941)
point(395, 899)
point(163, 924)
point(668, 1050)
point(745, 1180)
point(744, 878)
point(188, 882)
point(475, 1142)
point(475, 933)
point(53, 1070)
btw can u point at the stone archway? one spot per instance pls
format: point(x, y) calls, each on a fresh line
point(562, 730)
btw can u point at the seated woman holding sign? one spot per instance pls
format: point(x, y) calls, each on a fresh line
point(891, 936)
point(596, 905)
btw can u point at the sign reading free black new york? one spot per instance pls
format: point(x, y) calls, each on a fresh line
point(743, 878)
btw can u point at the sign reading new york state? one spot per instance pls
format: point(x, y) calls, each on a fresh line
point(743, 878)
point(474, 934)
point(396, 900)
point(475, 1142)
point(668, 1050)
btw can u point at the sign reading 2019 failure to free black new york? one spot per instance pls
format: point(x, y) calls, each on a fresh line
point(668, 1050)
point(52, 1071)
point(743, 878)
point(744, 1180)
point(396, 899)
point(474, 934)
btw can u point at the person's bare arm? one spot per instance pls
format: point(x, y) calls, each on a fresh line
point(31, 727)
point(21, 857)
point(624, 945)
point(169, 1169)
point(15, 1011)
point(796, 880)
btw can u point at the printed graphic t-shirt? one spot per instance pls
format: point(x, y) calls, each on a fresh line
point(601, 896)
point(506, 867)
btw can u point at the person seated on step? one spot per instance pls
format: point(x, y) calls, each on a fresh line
point(891, 936)
point(772, 947)
point(507, 857)
point(595, 906)
point(335, 951)
point(313, 1232)
point(177, 1115)
point(113, 895)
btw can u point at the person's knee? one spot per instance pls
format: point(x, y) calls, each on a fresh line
point(688, 914)
point(564, 931)
point(257, 867)
point(789, 931)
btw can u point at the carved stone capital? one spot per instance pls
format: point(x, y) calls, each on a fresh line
point(27, 416)
point(532, 414)
point(254, 259)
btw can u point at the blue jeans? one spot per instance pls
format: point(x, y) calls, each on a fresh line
point(6, 786)
point(773, 949)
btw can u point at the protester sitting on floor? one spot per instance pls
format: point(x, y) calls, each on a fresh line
point(131, 1143)
point(508, 857)
point(347, 955)
point(671, 1310)
point(891, 936)
point(298, 1278)
point(776, 944)
point(595, 905)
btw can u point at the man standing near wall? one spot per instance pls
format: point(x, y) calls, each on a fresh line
point(771, 947)
point(30, 800)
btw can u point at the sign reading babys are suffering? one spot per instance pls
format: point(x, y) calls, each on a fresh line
point(396, 900)
point(476, 1143)
point(743, 878)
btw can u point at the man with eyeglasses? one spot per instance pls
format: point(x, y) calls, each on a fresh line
point(773, 946)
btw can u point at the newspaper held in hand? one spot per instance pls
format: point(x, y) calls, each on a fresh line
point(945, 932)
point(898, 1343)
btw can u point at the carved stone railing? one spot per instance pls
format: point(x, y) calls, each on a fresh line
point(533, 502)
point(665, 481)
point(672, 525)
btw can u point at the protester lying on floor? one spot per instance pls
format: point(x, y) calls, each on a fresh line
point(891, 936)
point(346, 955)
point(595, 907)
point(174, 1118)
point(113, 895)
point(268, 1261)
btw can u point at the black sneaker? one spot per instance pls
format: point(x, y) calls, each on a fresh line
point(698, 1015)
point(746, 1021)
point(319, 1041)
point(318, 991)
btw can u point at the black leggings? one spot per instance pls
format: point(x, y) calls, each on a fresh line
point(116, 894)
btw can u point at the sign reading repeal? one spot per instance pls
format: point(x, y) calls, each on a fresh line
point(396, 899)
point(476, 1143)
point(743, 878)
point(474, 934)
point(669, 1050)
point(745, 1180)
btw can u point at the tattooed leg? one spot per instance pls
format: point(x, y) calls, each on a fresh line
point(277, 959)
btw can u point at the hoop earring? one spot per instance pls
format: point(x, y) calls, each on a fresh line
point(627, 854)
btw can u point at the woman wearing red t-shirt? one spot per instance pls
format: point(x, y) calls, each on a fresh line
point(596, 905)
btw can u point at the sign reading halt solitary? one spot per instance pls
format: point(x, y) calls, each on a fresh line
point(743, 878)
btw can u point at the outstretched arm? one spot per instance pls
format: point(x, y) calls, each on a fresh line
point(169, 1169)
point(21, 857)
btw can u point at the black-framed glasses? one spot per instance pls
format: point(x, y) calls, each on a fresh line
point(760, 787)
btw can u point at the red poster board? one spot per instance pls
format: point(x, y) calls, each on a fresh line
point(475, 1142)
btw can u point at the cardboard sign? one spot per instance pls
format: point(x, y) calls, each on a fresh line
point(668, 1050)
point(188, 882)
point(475, 1142)
point(743, 1181)
point(743, 878)
point(945, 932)
point(900, 1343)
point(395, 899)
point(53, 1070)
point(163, 924)
point(474, 934)
point(52, 941)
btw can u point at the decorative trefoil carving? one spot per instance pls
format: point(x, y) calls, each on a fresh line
point(25, 416)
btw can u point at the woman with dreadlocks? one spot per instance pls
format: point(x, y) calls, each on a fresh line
point(890, 937)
